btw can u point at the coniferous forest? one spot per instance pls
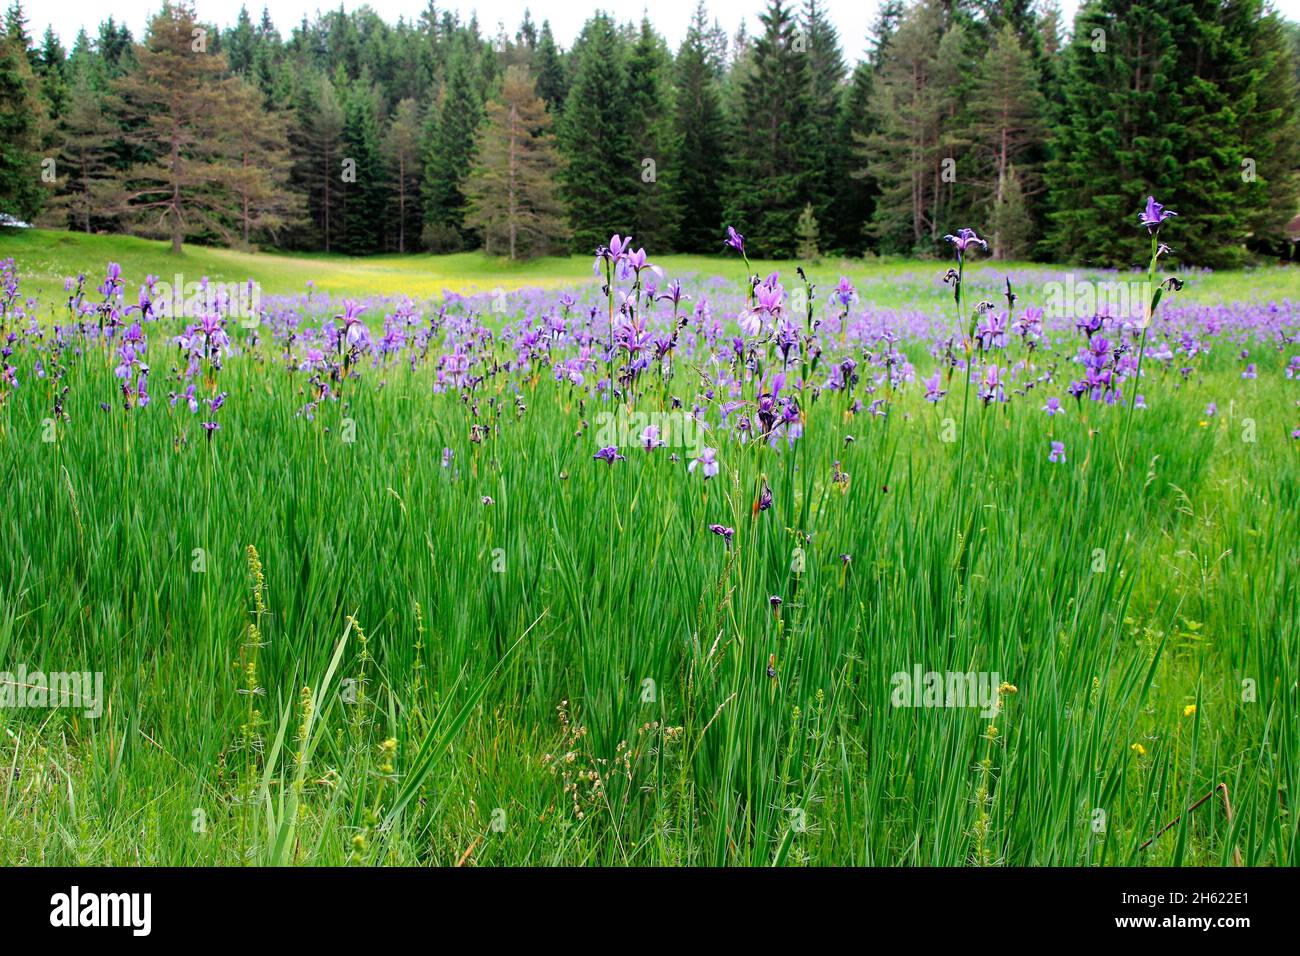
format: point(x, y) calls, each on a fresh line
point(354, 135)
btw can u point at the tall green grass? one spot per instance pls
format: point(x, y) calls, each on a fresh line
point(578, 672)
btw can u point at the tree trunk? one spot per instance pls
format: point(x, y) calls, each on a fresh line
point(176, 190)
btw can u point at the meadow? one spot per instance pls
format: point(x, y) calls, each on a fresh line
point(444, 562)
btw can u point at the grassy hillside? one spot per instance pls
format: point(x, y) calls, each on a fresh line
point(46, 257)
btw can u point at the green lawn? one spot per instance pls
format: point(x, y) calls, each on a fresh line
point(45, 257)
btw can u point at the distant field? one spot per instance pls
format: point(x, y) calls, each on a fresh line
point(46, 257)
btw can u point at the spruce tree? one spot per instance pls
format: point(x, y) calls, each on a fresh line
point(362, 192)
point(828, 155)
point(600, 169)
point(513, 201)
point(86, 159)
point(402, 152)
point(548, 68)
point(21, 117)
point(699, 143)
point(448, 152)
point(1007, 124)
point(650, 132)
point(773, 176)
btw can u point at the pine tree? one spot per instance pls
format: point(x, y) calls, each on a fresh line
point(448, 152)
point(513, 201)
point(1006, 125)
point(265, 204)
point(402, 151)
point(699, 138)
point(600, 168)
point(650, 133)
point(548, 68)
point(86, 159)
point(855, 197)
point(827, 153)
point(362, 192)
point(911, 102)
point(773, 176)
point(21, 118)
point(320, 134)
point(176, 111)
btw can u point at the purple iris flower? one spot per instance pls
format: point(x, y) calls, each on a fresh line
point(735, 240)
point(933, 392)
point(650, 438)
point(723, 532)
point(1154, 215)
point(709, 459)
point(1057, 455)
point(964, 239)
point(1053, 407)
point(608, 454)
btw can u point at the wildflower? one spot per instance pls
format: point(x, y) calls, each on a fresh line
point(735, 240)
point(764, 498)
point(1053, 407)
point(1211, 409)
point(1139, 750)
point(844, 292)
point(708, 458)
point(608, 454)
point(1189, 710)
point(487, 500)
point(775, 602)
point(1057, 455)
point(933, 392)
point(447, 455)
point(722, 531)
point(650, 438)
point(1154, 215)
point(964, 239)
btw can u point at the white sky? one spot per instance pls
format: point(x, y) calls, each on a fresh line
point(853, 18)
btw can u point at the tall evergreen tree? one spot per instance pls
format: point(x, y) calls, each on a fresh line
point(21, 118)
point(513, 201)
point(548, 68)
point(911, 155)
point(827, 153)
point(448, 153)
point(87, 160)
point(176, 111)
point(1007, 123)
point(600, 169)
point(402, 151)
point(699, 143)
point(650, 132)
point(362, 186)
point(773, 166)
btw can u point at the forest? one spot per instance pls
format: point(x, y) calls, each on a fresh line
point(357, 136)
